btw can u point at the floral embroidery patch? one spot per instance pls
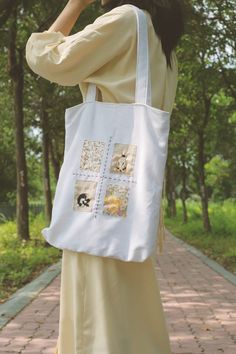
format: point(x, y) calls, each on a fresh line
point(91, 156)
point(116, 200)
point(123, 159)
point(84, 195)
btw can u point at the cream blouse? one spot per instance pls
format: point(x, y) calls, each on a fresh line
point(104, 52)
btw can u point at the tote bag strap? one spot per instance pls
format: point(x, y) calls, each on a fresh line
point(143, 78)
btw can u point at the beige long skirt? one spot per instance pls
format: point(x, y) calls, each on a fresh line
point(109, 306)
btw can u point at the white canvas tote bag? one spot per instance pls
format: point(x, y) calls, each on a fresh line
point(108, 196)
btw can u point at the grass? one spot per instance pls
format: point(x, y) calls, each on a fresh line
point(220, 244)
point(22, 261)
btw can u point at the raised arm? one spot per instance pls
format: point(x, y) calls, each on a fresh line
point(68, 60)
point(69, 15)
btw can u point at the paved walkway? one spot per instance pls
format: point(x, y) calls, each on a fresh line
point(199, 303)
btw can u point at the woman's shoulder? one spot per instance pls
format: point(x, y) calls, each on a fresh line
point(123, 13)
point(125, 8)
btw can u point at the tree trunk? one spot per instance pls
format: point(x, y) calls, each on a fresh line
point(185, 213)
point(170, 191)
point(183, 194)
point(16, 72)
point(55, 162)
point(202, 182)
point(45, 161)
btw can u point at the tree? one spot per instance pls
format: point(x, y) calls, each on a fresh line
point(16, 73)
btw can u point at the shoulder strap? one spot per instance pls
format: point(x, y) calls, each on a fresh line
point(143, 78)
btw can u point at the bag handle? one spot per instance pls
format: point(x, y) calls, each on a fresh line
point(143, 77)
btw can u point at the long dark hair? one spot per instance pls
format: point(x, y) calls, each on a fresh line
point(167, 18)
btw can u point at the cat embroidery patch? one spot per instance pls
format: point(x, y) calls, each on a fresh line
point(123, 159)
point(116, 200)
point(84, 195)
point(91, 156)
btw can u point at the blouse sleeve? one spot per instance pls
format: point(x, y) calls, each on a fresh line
point(68, 60)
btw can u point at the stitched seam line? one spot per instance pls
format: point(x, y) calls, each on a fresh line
point(125, 178)
point(102, 176)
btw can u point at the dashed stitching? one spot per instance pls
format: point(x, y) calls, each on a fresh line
point(102, 179)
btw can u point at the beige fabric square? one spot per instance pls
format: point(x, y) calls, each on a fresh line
point(91, 156)
point(116, 200)
point(84, 196)
point(123, 159)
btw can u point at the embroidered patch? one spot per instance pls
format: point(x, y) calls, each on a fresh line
point(84, 195)
point(91, 157)
point(123, 159)
point(116, 200)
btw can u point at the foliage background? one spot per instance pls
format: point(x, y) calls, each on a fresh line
point(200, 188)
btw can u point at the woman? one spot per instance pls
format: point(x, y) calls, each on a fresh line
point(108, 306)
